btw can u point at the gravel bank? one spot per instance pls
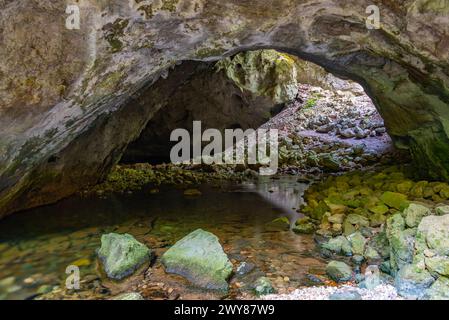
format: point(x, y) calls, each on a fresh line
point(381, 292)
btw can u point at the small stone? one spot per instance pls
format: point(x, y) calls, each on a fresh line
point(304, 228)
point(357, 260)
point(404, 187)
point(345, 295)
point(44, 289)
point(354, 222)
point(6, 282)
point(245, 268)
point(337, 218)
point(442, 210)
point(339, 271)
point(337, 209)
point(380, 209)
point(339, 245)
point(263, 287)
point(192, 193)
point(129, 296)
point(371, 254)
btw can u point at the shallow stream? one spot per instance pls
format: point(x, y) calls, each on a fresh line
point(37, 246)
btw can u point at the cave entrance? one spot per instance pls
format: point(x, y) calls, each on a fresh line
point(325, 123)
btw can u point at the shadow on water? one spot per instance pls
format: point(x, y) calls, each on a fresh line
point(36, 246)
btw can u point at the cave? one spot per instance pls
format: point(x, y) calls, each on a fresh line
point(361, 117)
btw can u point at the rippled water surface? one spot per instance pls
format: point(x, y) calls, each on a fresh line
point(37, 246)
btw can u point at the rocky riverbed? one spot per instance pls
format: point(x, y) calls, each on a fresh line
point(367, 235)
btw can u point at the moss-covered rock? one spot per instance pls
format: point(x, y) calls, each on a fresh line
point(412, 281)
point(122, 255)
point(394, 200)
point(200, 258)
point(263, 286)
point(339, 271)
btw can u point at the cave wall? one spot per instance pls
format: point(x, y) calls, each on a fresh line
point(60, 88)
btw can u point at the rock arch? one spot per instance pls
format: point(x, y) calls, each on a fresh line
point(66, 111)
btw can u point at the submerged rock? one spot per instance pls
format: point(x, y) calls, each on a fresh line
point(245, 268)
point(200, 258)
point(263, 287)
point(192, 193)
point(122, 255)
point(129, 296)
point(339, 271)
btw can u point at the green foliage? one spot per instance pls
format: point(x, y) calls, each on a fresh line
point(312, 101)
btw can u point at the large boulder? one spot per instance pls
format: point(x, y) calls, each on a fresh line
point(439, 290)
point(199, 258)
point(121, 255)
point(401, 241)
point(358, 243)
point(433, 233)
point(412, 281)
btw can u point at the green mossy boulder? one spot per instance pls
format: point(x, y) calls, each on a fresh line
point(394, 200)
point(438, 265)
point(358, 243)
point(439, 290)
point(412, 281)
point(433, 233)
point(354, 222)
point(339, 271)
point(121, 255)
point(339, 245)
point(414, 214)
point(199, 258)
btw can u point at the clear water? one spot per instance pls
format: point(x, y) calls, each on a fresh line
point(37, 246)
